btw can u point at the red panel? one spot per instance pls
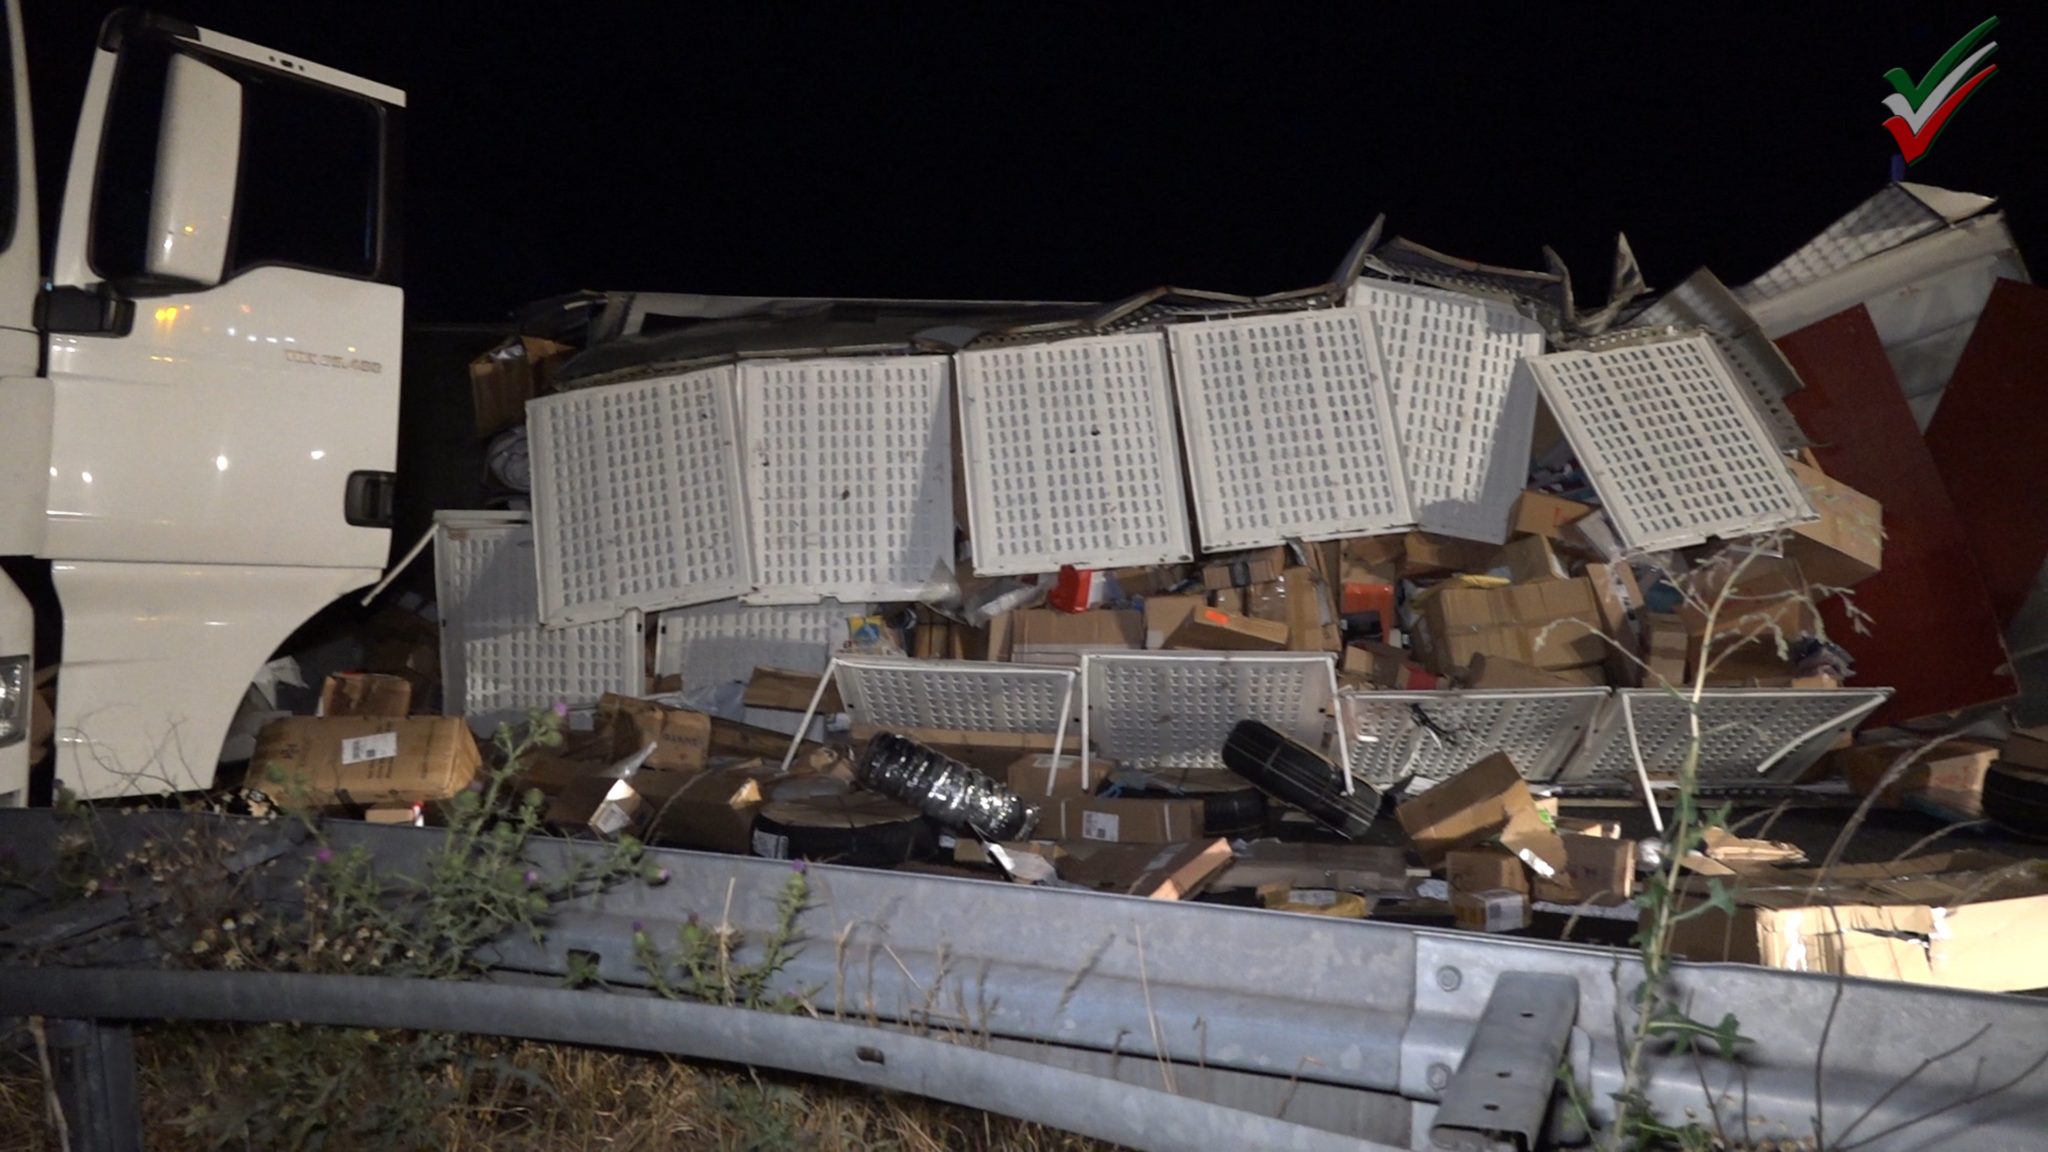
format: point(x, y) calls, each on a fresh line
point(1990, 441)
point(1935, 638)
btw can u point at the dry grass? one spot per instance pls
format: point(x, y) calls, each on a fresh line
point(554, 1097)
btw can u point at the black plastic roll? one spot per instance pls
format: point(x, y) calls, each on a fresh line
point(1297, 775)
point(1228, 807)
point(951, 793)
point(2016, 799)
point(861, 831)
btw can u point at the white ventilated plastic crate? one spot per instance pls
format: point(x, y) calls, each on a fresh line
point(1885, 221)
point(849, 477)
point(1070, 455)
point(1747, 735)
point(1175, 709)
point(955, 695)
point(637, 498)
point(1290, 429)
point(1432, 736)
point(1702, 301)
point(496, 660)
point(1674, 450)
point(725, 642)
point(1464, 414)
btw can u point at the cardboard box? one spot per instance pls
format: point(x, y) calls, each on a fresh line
point(607, 805)
point(1526, 560)
point(1552, 624)
point(791, 691)
point(1846, 545)
point(1310, 621)
point(1665, 649)
point(712, 810)
point(1040, 776)
point(1315, 902)
point(1121, 821)
point(681, 738)
point(1244, 569)
point(1349, 867)
point(1493, 673)
point(1149, 581)
point(2026, 748)
point(1966, 920)
point(1046, 636)
point(1424, 554)
point(1214, 630)
point(1266, 602)
point(369, 760)
point(393, 814)
point(1485, 869)
point(1949, 778)
point(1384, 666)
point(502, 380)
point(1487, 800)
point(1597, 870)
point(365, 694)
point(1498, 911)
point(1174, 872)
point(1541, 514)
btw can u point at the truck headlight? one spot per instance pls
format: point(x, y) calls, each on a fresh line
point(14, 690)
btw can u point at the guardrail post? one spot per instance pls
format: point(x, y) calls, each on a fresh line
point(1500, 1094)
point(94, 1065)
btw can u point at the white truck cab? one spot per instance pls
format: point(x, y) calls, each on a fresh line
point(199, 403)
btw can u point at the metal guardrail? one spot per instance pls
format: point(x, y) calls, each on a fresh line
point(1357, 1005)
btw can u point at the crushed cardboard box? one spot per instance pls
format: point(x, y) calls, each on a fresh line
point(1488, 800)
point(1049, 636)
point(365, 694)
point(1948, 778)
point(1349, 867)
point(1244, 569)
point(1214, 630)
point(1597, 870)
point(1955, 919)
point(1165, 614)
point(790, 691)
point(1846, 545)
point(1551, 624)
point(1493, 673)
point(681, 738)
point(502, 380)
point(369, 760)
point(1541, 514)
point(1172, 872)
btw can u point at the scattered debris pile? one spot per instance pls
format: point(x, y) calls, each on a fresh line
point(1167, 597)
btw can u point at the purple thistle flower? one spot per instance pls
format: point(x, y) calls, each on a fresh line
point(639, 927)
point(532, 878)
point(801, 866)
point(561, 709)
point(476, 786)
point(324, 855)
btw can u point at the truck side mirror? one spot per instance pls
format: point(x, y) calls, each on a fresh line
point(199, 146)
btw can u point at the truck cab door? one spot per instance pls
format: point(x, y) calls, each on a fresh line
point(223, 329)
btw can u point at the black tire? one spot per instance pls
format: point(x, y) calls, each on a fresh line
point(2016, 799)
point(1296, 775)
point(813, 831)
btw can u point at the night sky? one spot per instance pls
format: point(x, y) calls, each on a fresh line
point(1090, 151)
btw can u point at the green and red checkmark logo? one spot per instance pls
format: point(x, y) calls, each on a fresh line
point(1920, 110)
